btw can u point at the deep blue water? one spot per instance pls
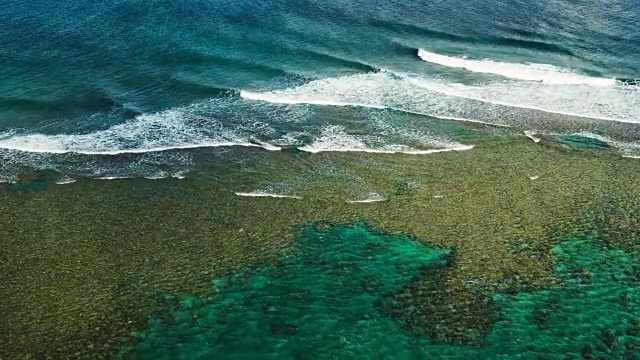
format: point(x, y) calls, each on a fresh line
point(80, 79)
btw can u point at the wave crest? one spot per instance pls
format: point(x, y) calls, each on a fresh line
point(544, 73)
point(522, 104)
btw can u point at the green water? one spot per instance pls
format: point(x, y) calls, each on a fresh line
point(583, 142)
point(318, 302)
point(596, 314)
point(323, 300)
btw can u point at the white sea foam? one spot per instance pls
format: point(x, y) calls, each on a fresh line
point(522, 71)
point(274, 98)
point(8, 178)
point(236, 122)
point(617, 103)
point(143, 142)
point(335, 139)
point(113, 177)
point(372, 197)
point(157, 176)
point(497, 103)
point(66, 180)
point(262, 193)
point(373, 91)
point(187, 127)
point(84, 144)
point(179, 175)
point(532, 135)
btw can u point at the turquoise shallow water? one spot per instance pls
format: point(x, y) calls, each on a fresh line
point(317, 302)
point(324, 300)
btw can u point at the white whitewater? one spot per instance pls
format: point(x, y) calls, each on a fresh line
point(262, 193)
point(283, 100)
point(86, 145)
point(615, 103)
point(371, 198)
point(532, 135)
point(496, 103)
point(335, 139)
point(329, 148)
point(187, 127)
point(522, 71)
point(66, 180)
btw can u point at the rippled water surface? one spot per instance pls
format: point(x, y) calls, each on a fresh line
point(339, 179)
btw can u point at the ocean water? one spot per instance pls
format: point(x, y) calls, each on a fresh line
point(83, 82)
point(213, 179)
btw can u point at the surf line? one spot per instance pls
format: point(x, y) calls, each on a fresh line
point(532, 135)
point(545, 73)
point(511, 104)
point(365, 201)
point(315, 150)
point(373, 197)
point(266, 194)
point(272, 98)
point(265, 146)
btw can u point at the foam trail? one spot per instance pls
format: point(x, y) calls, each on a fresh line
point(66, 180)
point(113, 177)
point(496, 103)
point(315, 150)
point(189, 127)
point(140, 147)
point(603, 103)
point(532, 135)
point(9, 179)
point(56, 144)
point(280, 100)
point(158, 176)
point(373, 197)
point(522, 71)
point(260, 193)
point(334, 139)
point(150, 177)
point(179, 175)
point(383, 90)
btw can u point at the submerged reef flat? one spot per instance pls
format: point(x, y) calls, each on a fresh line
point(86, 264)
point(319, 301)
point(330, 299)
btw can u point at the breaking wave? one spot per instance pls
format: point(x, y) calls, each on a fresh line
point(150, 145)
point(506, 103)
point(335, 139)
point(545, 73)
point(181, 128)
point(531, 98)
